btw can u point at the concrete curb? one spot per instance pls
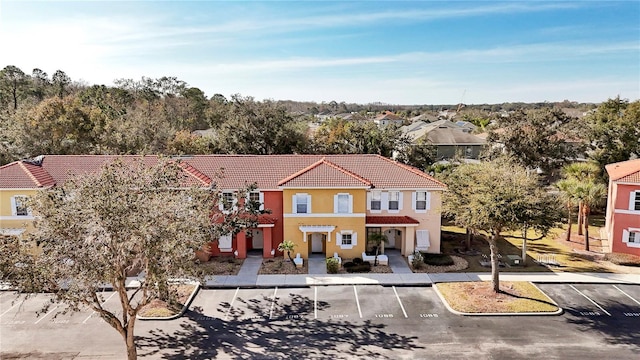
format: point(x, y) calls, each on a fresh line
point(173, 317)
point(456, 312)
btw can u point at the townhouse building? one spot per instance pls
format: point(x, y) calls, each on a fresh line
point(324, 204)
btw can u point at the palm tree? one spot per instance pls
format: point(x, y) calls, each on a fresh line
point(581, 171)
point(590, 194)
point(567, 189)
point(376, 239)
point(287, 246)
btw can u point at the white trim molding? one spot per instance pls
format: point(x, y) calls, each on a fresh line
point(331, 215)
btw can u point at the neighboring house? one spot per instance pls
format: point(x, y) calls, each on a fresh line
point(449, 138)
point(623, 207)
point(326, 204)
point(387, 118)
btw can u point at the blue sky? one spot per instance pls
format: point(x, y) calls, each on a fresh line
point(415, 52)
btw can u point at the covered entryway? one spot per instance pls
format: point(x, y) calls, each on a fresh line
point(394, 236)
point(318, 242)
point(398, 230)
point(257, 239)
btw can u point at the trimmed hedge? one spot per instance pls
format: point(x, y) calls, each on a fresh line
point(437, 259)
point(623, 259)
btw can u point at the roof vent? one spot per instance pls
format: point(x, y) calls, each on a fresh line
point(37, 161)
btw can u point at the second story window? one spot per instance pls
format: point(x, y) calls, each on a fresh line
point(20, 206)
point(421, 200)
point(376, 200)
point(343, 203)
point(634, 201)
point(301, 203)
point(227, 201)
point(254, 196)
point(394, 200)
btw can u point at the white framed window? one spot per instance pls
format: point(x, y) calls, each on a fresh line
point(227, 201)
point(301, 203)
point(19, 206)
point(257, 197)
point(394, 200)
point(631, 237)
point(634, 201)
point(421, 201)
point(343, 203)
point(376, 200)
point(346, 239)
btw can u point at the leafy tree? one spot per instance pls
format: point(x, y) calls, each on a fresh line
point(494, 196)
point(288, 246)
point(40, 84)
point(537, 138)
point(261, 128)
point(12, 83)
point(574, 174)
point(567, 189)
point(61, 83)
point(136, 216)
point(186, 143)
point(613, 130)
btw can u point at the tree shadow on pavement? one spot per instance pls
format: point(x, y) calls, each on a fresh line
point(243, 336)
point(619, 329)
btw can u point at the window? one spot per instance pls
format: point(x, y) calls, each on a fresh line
point(394, 200)
point(631, 237)
point(19, 206)
point(346, 239)
point(634, 201)
point(227, 201)
point(343, 204)
point(302, 203)
point(376, 200)
point(421, 200)
point(254, 196)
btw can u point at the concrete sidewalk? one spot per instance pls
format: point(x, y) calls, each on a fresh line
point(401, 276)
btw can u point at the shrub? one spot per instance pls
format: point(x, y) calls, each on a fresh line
point(363, 267)
point(348, 264)
point(357, 261)
point(437, 259)
point(623, 259)
point(332, 265)
point(418, 260)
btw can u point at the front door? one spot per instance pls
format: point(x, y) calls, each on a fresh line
point(316, 243)
point(257, 239)
point(391, 238)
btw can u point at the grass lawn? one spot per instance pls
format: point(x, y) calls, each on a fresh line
point(478, 297)
point(570, 260)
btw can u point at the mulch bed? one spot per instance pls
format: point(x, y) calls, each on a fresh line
point(222, 265)
point(281, 266)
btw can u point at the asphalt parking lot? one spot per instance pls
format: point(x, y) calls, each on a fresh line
point(600, 320)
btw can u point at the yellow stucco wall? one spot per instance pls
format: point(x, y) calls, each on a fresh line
point(322, 213)
point(7, 220)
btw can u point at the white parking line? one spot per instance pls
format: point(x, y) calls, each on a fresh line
point(226, 316)
point(357, 301)
point(9, 309)
point(593, 302)
point(315, 302)
point(400, 302)
point(93, 312)
point(47, 314)
point(629, 296)
point(273, 302)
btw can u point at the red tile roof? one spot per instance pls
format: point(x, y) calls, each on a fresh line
point(626, 171)
point(390, 220)
point(266, 219)
point(237, 170)
point(21, 175)
point(324, 173)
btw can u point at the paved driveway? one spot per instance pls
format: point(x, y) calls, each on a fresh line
point(368, 321)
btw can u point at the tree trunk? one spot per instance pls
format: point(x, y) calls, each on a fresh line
point(132, 352)
point(524, 246)
point(495, 275)
point(467, 243)
point(580, 219)
point(290, 258)
point(375, 261)
point(570, 224)
point(586, 227)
